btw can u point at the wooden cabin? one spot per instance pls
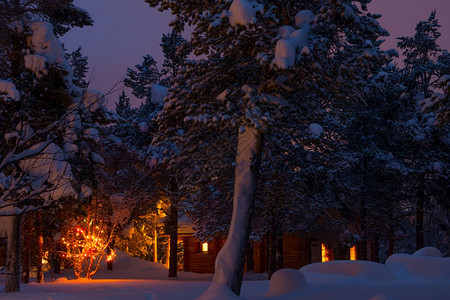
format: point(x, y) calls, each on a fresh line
point(199, 257)
point(299, 249)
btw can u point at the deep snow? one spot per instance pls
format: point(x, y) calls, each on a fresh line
point(423, 275)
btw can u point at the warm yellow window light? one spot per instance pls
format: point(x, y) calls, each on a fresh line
point(353, 253)
point(204, 247)
point(325, 253)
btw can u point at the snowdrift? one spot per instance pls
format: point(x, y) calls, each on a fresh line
point(286, 281)
point(422, 275)
point(425, 264)
point(348, 271)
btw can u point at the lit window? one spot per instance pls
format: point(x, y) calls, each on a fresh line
point(326, 253)
point(204, 247)
point(353, 253)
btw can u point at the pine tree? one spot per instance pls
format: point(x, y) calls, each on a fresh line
point(142, 79)
point(136, 130)
point(425, 64)
point(420, 53)
point(79, 64)
point(175, 49)
point(439, 102)
point(254, 55)
point(123, 107)
point(46, 144)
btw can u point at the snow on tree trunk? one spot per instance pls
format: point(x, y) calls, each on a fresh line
point(229, 267)
point(12, 283)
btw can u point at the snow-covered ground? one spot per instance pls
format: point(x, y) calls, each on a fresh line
point(423, 275)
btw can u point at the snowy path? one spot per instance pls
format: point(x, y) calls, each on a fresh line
point(186, 290)
point(404, 277)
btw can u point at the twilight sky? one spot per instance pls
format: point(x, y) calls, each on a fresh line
point(126, 30)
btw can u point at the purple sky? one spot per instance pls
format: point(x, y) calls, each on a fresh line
point(126, 30)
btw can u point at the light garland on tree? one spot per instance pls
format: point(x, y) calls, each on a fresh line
point(86, 248)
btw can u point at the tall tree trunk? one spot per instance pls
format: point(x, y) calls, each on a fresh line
point(109, 262)
point(230, 261)
point(271, 267)
point(363, 244)
point(173, 247)
point(250, 260)
point(363, 208)
point(420, 220)
point(363, 249)
point(275, 248)
point(155, 245)
point(26, 249)
point(40, 237)
point(376, 249)
point(279, 251)
point(12, 283)
point(56, 258)
point(391, 241)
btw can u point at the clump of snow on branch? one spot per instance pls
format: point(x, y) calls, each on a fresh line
point(50, 167)
point(159, 92)
point(316, 129)
point(243, 12)
point(349, 14)
point(93, 134)
point(23, 131)
point(304, 17)
point(128, 231)
point(37, 64)
point(293, 40)
point(437, 103)
point(97, 158)
point(222, 96)
point(46, 49)
point(93, 100)
point(121, 212)
point(86, 191)
point(348, 238)
point(143, 126)
point(8, 91)
point(5, 181)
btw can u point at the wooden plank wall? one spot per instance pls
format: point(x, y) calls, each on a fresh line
point(197, 261)
point(295, 251)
